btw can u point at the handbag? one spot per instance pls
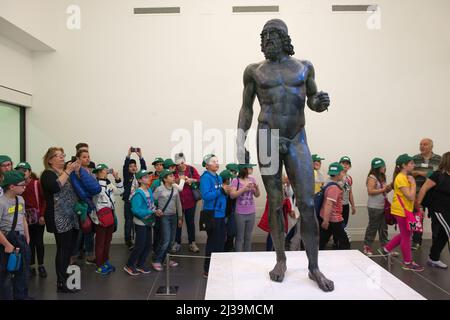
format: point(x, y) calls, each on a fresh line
point(105, 217)
point(15, 258)
point(32, 214)
point(413, 219)
point(194, 187)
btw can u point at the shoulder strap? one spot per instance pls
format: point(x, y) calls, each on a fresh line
point(36, 193)
point(191, 170)
point(168, 201)
point(401, 201)
point(112, 202)
point(16, 214)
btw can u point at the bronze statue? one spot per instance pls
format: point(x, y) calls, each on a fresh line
point(282, 84)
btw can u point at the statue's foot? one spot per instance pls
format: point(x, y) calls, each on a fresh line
point(277, 274)
point(323, 283)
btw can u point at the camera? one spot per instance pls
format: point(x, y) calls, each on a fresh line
point(133, 149)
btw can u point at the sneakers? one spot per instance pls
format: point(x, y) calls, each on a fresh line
point(103, 270)
point(42, 272)
point(90, 261)
point(175, 247)
point(143, 270)
point(436, 264)
point(412, 266)
point(110, 266)
point(415, 246)
point(157, 266)
point(131, 271)
point(173, 263)
point(367, 251)
point(193, 247)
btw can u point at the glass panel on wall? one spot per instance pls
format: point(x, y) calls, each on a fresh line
point(10, 131)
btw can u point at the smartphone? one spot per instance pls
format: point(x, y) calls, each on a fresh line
point(133, 149)
point(73, 159)
point(110, 171)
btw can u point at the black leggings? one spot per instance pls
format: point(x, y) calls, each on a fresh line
point(65, 243)
point(37, 243)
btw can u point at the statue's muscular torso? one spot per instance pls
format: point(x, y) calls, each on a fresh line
point(281, 88)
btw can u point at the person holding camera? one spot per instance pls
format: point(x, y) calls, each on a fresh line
point(130, 186)
point(60, 217)
point(14, 238)
point(244, 189)
point(104, 217)
point(34, 208)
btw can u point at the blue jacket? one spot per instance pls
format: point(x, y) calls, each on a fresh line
point(85, 186)
point(211, 189)
point(141, 208)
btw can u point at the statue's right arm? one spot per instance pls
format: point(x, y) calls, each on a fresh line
point(246, 113)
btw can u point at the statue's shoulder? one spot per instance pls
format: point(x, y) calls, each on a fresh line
point(306, 63)
point(251, 68)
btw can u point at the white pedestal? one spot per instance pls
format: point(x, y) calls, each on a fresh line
point(245, 276)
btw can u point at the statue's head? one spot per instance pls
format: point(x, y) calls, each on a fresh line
point(275, 40)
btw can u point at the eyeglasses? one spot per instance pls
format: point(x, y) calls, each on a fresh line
point(21, 185)
point(62, 155)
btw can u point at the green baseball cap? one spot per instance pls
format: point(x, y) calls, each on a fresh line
point(226, 174)
point(315, 157)
point(335, 168)
point(378, 163)
point(4, 158)
point(345, 159)
point(232, 167)
point(99, 167)
point(206, 159)
point(158, 160)
point(169, 163)
point(12, 177)
point(403, 159)
point(165, 173)
point(246, 165)
point(23, 165)
point(141, 173)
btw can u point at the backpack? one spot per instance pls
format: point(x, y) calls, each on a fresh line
point(319, 197)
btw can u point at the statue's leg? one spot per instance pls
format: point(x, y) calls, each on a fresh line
point(273, 186)
point(299, 169)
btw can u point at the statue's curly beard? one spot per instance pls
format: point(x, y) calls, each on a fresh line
point(272, 52)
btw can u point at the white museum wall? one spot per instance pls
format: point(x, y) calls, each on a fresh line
point(126, 80)
point(15, 71)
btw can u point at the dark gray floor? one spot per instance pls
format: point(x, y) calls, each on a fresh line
point(432, 283)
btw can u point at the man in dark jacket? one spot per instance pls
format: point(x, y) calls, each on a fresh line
point(130, 185)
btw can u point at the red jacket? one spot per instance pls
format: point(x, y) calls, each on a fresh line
point(29, 196)
point(264, 222)
point(186, 196)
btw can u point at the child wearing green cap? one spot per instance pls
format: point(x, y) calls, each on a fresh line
point(130, 186)
point(347, 185)
point(332, 221)
point(5, 165)
point(14, 236)
point(244, 189)
point(170, 212)
point(34, 209)
point(105, 207)
point(143, 208)
point(377, 190)
point(319, 179)
point(404, 196)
